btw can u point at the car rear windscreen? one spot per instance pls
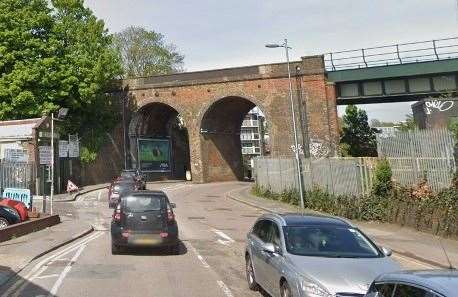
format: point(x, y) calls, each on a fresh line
point(142, 203)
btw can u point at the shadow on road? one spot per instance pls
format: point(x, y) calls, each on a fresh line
point(182, 250)
point(9, 279)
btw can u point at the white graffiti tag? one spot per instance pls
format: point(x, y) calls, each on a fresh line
point(318, 150)
point(438, 105)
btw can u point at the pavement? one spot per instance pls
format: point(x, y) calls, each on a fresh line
point(213, 228)
point(418, 246)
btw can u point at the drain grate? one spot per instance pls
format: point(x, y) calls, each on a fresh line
point(223, 209)
point(196, 218)
point(213, 196)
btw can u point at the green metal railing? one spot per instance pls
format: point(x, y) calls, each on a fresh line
point(395, 54)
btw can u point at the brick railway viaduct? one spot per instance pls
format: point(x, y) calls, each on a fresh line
point(212, 105)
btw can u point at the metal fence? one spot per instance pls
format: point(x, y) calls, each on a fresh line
point(420, 154)
point(351, 176)
point(412, 156)
point(395, 54)
point(16, 175)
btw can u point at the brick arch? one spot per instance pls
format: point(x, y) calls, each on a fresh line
point(208, 105)
point(179, 108)
point(156, 119)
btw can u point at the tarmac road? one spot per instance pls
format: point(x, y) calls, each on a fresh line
point(211, 262)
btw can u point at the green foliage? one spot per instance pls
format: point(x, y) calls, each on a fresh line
point(357, 134)
point(146, 53)
point(408, 125)
point(382, 183)
point(453, 127)
point(438, 213)
point(56, 54)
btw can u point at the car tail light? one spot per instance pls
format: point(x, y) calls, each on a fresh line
point(170, 214)
point(125, 233)
point(117, 214)
point(164, 234)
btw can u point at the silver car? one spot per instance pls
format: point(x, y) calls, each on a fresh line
point(312, 256)
point(428, 283)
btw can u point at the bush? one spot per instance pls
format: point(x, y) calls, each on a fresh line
point(382, 178)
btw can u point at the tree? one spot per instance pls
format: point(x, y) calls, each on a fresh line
point(146, 53)
point(409, 124)
point(52, 56)
point(359, 138)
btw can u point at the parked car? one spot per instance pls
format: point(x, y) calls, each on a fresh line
point(144, 219)
point(312, 255)
point(120, 188)
point(19, 206)
point(427, 283)
point(135, 175)
point(8, 216)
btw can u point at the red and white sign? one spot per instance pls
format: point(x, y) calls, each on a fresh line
point(71, 187)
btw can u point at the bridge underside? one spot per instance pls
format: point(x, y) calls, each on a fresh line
point(396, 83)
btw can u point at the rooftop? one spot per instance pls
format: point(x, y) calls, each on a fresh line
point(444, 281)
point(297, 219)
point(18, 129)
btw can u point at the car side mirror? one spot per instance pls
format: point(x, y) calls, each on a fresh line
point(270, 248)
point(386, 251)
point(173, 205)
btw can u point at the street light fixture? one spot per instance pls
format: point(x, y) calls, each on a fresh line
point(60, 116)
point(296, 148)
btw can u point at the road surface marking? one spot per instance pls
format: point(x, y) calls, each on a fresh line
point(225, 289)
point(226, 240)
point(173, 188)
point(201, 259)
point(98, 195)
point(66, 270)
point(47, 276)
point(21, 284)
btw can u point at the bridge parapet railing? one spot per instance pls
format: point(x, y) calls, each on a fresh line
point(395, 54)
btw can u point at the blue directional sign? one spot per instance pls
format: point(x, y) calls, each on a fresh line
point(22, 195)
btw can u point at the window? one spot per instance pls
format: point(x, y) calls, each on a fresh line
point(381, 290)
point(275, 234)
point(261, 230)
point(143, 203)
point(411, 291)
point(329, 241)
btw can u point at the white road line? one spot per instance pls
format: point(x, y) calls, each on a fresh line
point(173, 188)
point(225, 289)
point(98, 195)
point(201, 259)
point(47, 276)
point(66, 270)
point(19, 285)
point(226, 240)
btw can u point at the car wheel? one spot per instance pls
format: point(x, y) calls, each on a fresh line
point(252, 284)
point(115, 249)
point(285, 290)
point(3, 223)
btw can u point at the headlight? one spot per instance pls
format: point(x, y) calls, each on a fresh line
point(314, 290)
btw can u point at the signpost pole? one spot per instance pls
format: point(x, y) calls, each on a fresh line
point(52, 162)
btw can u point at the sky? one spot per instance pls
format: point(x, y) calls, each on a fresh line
point(219, 34)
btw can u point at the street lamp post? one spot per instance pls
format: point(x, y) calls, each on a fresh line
point(62, 114)
point(296, 148)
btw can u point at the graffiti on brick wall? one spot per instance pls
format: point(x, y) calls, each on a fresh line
point(437, 106)
point(318, 149)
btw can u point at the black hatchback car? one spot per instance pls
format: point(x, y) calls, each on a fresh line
point(144, 219)
point(8, 216)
